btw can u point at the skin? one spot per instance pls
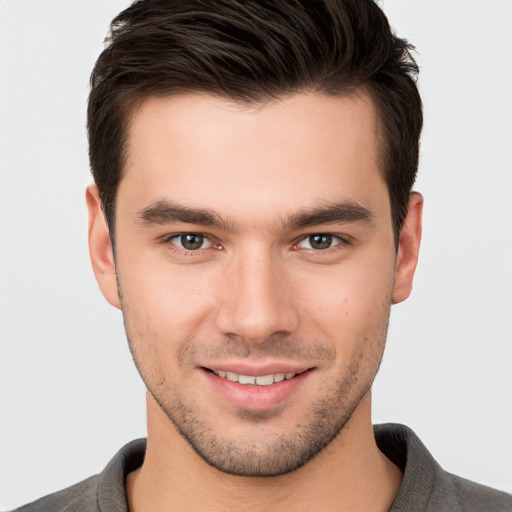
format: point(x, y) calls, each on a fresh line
point(256, 295)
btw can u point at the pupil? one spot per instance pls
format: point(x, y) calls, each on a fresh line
point(191, 241)
point(320, 241)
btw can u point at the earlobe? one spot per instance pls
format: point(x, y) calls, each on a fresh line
point(408, 249)
point(100, 248)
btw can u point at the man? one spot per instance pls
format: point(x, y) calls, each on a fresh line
point(252, 216)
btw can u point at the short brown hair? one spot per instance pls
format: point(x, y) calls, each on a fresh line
point(250, 51)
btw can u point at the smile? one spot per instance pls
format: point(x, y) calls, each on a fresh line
point(260, 380)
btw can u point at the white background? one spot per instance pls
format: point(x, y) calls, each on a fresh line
point(70, 396)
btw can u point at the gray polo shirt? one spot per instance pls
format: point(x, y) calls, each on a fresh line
point(425, 486)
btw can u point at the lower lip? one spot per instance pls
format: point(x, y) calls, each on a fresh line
point(254, 397)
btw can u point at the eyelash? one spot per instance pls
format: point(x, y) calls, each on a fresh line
point(167, 240)
point(342, 241)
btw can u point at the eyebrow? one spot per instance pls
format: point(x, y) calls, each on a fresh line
point(337, 213)
point(164, 211)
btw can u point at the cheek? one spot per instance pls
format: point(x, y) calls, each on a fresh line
point(164, 302)
point(350, 301)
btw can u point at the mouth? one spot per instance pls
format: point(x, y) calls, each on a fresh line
point(255, 380)
point(257, 389)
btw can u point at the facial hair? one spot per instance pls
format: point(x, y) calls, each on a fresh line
point(268, 452)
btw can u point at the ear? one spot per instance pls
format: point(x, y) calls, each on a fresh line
point(100, 248)
point(408, 249)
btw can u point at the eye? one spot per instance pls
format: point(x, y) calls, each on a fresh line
point(319, 242)
point(191, 241)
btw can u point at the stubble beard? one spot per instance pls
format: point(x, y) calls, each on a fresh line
point(285, 451)
point(248, 457)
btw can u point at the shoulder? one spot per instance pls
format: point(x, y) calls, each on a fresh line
point(81, 496)
point(470, 495)
point(426, 485)
point(105, 492)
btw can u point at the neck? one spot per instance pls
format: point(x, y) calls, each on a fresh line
point(349, 474)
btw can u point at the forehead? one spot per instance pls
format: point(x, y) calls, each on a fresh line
point(287, 153)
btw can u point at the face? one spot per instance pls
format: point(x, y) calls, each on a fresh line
point(256, 268)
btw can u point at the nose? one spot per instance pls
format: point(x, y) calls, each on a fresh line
point(257, 302)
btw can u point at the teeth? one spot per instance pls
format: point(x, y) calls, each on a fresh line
point(263, 380)
point(246, 379)
point(260, 380)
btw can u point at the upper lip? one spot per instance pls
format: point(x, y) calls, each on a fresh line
point(258, 370)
